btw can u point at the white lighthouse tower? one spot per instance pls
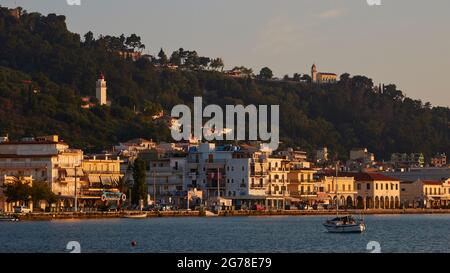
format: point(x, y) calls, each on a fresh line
point(100, 92)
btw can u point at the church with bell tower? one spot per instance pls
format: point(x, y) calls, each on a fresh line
point(322, 77)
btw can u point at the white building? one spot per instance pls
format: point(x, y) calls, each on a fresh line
point(45, 159)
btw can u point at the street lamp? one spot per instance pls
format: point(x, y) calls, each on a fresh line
point(76, 189)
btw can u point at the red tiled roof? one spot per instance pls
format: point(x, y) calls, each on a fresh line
point(368, 176)
point(432, 182)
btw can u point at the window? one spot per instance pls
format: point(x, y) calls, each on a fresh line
point(243, 168)
point(392, 186)
point(358, 186)
point(387, 186)
point(381, 186)
point(396, 186)
point(368, 186)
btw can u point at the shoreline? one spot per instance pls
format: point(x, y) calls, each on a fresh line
point(153, 214)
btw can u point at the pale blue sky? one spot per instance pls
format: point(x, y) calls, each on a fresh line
point(406, 42)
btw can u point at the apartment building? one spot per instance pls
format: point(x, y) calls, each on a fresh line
point(45, 159)
point(425, 193)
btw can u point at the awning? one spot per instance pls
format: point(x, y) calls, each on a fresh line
point(106, 180)
point(94, 178)
point(70, 172)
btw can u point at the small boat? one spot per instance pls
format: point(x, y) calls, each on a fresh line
point(7, 218)
point(210, 213)
point(345, 224)
point(136, 216)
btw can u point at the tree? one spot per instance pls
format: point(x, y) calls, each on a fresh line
point(265, 73)
point(17, 191)
point(162, 57)
point(134, 42)
point(296, 77)
point(139, 190)
point(89, 39)
point(217, 64)
point(40, 190)
point(175, 58)
point(306, 78)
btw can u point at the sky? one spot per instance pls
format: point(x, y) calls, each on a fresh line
point(404, 42)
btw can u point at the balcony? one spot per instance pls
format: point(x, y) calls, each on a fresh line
point(102, 172)
point(259, 173)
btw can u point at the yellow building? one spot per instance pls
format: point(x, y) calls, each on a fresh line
point(100, 181)
point(277, 191)
point(302, 186)
point(340, 188)
point(376, 190)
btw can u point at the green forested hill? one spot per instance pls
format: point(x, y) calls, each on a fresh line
point(63, 67)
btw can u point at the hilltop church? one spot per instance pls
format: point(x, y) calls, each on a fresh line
point(322, 77)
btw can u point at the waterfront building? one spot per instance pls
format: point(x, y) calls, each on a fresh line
point(376, 191)
point(166, 177)
point(100, 182)
point(207, 170)
point(338, 189)
point(45, 159)
point(302, 186)
point(425, 193)
point(277, 189)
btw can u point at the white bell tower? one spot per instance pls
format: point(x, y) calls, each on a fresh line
point(100, 91)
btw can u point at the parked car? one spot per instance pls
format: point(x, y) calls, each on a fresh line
point(22, 209)
point(258, 207)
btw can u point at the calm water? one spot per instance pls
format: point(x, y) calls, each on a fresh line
point(406, 233)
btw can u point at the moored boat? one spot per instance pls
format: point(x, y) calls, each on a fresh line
point(343, 224)
point(136, 216)
point(8, 218)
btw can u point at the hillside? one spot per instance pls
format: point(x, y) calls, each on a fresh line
point(63, 67)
